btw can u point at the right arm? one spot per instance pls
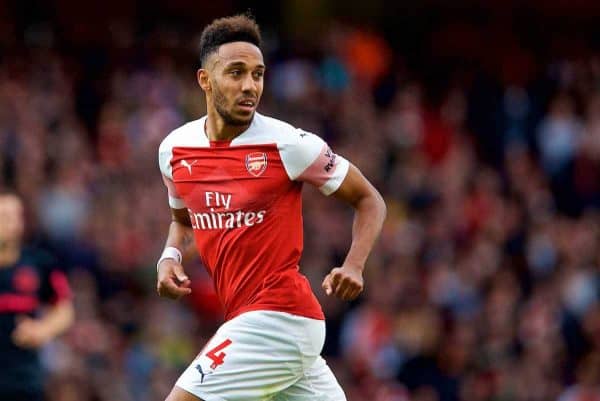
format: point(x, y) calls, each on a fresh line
point(172, 282)
point(181, 234)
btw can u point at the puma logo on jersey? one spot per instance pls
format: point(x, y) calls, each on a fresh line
point(185, 164)
point(202, 374)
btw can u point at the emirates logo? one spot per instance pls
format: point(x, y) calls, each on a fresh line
point(256, 163)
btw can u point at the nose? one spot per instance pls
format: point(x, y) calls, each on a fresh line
point(248, 84)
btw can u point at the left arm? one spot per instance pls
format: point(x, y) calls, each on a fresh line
point(56, 318)
point(33, 333)
point(346, 282)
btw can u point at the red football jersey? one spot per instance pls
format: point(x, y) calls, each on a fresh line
point(245, 205)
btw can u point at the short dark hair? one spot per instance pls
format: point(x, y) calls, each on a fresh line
point(237, 28)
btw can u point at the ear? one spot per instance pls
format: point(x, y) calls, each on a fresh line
point(203, 79)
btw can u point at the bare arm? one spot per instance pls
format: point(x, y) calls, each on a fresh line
point(181, 234)
point(172, 282)
point(33, 333)
point(346, 281)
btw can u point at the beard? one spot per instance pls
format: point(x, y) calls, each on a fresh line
point(220, 103)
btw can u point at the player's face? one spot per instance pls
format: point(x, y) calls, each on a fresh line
point(237, 82)
point(11, 216)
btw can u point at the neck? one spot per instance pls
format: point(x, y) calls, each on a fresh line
point(217, 130)
point(9, 252)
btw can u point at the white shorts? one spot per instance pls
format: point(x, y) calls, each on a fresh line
point(260, 356)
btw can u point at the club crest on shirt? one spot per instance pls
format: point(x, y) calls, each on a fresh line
point(256, 163)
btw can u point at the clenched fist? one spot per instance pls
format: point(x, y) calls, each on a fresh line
point(344, 282)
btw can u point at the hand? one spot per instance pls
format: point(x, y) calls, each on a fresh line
point(30, 333)
point(344, 282)
point(172, 281)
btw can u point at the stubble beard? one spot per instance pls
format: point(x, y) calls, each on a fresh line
point(220, 105)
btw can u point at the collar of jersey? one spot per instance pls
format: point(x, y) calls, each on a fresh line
point(224, 143)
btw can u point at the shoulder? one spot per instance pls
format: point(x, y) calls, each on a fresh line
point(189, 134)
point(266, 129)
point(273, 124)
point(288, 137)
point(297, 148)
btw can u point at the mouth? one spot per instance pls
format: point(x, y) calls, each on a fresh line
point(247, 104)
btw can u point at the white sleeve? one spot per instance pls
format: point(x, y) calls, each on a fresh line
point(309, 159)
point(164, 161)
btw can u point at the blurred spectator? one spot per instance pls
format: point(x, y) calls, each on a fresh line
point(35, 305)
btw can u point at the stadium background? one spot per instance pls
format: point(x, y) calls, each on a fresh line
point(479, 124)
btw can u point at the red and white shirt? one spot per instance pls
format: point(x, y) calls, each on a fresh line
point(244, 201)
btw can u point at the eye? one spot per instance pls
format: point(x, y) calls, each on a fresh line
point(235, 73)
point(259, 74)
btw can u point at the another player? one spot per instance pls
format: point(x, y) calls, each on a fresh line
point(29, 281)
point(234, 180)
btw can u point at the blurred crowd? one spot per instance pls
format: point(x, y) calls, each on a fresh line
point(484, 286)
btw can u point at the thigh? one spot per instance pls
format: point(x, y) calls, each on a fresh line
point(317, 384)
point(179, 394)
point(251, 357)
